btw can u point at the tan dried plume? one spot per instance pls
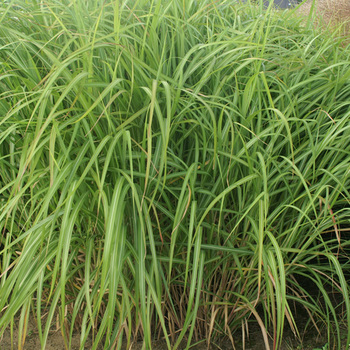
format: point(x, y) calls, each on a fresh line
point(329, 14)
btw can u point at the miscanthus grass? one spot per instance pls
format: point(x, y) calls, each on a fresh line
point(171, 169)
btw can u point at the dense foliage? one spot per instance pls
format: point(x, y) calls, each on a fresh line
point(172, 169)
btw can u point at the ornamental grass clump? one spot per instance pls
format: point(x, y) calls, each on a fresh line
point(171, 170)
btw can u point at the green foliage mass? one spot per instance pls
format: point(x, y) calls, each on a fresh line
point(171, 169)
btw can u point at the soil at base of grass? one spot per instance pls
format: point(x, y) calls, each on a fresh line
point(311, 340)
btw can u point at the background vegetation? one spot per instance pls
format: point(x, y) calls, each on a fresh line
point(173, 169)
